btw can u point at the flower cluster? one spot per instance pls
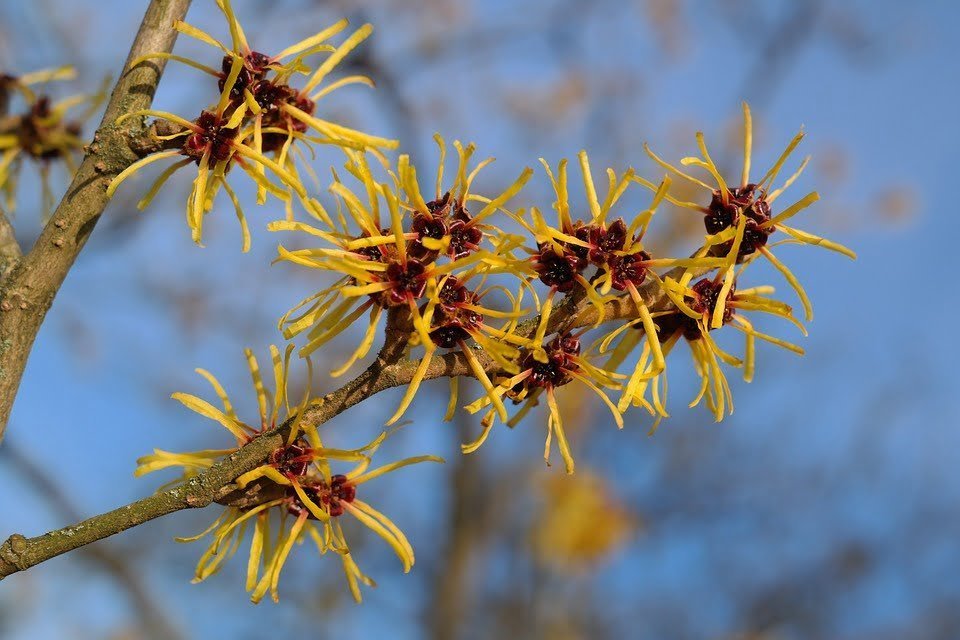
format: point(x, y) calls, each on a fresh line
point(294, 496)
point(260, 122)
point(464, 282)
point(430, 265)
point(43, 132)
point(418, 267)
point(739, 222)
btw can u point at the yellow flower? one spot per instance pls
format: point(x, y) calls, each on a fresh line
point(611, 246)
point(42, 133)
point(696, 307)
point(405, 266)
point(563, 365)
point(445, 225)
point(739, 219)
point(580, 522)
point(316, 498)
point(378, 271)
point(294, 494)
point(283, 111)
point(274, 408)
point(457, 316)
point(258, 114)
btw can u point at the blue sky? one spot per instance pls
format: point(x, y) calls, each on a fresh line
point(853, 446)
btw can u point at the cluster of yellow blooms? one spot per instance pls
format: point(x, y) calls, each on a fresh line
point(42, 132)
point(458, 265)
point(255, 121)
point(296, 483)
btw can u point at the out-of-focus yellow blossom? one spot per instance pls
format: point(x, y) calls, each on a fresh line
point(580, 522)
point(42, 133)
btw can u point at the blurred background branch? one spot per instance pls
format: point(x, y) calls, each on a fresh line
point(154, 621)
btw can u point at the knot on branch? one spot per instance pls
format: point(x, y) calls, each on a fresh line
point(12, 553)
point(156, 137)
point(196, 494)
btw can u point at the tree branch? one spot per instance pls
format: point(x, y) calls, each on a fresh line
point(10, 252)
point(19, 553)
point(389, 370)
point(28, 291)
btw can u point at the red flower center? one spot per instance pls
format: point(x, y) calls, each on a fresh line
point(555, 270)
point(332, 496)
point(748, 201)
point(292, 461)
point(561, 360)
point(212, 133)
point(408, 280)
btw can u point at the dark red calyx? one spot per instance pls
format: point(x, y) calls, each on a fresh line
point(292, 460)
point(605, 241)
point(555, 270)
point(547, 374)
point(408, 281)
point(270, 95)
point(426, 226)
point(256, 62)
point(565, 344)
point(253, 70)
point(465, 235)
point(451, 321)
point(452, 327)
point(449, 334)
point(555, 372)
point(707, 295)
point(628, 269)
point(332, 496)
point(370, 253)
point(721, 216)
point(749, 201)
point(439, 207)
point(582, 232)
point(212, 133)
point(453, 294)
point(276, 118)
point(465, 238)
point(754, 237)
point(339, 491)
